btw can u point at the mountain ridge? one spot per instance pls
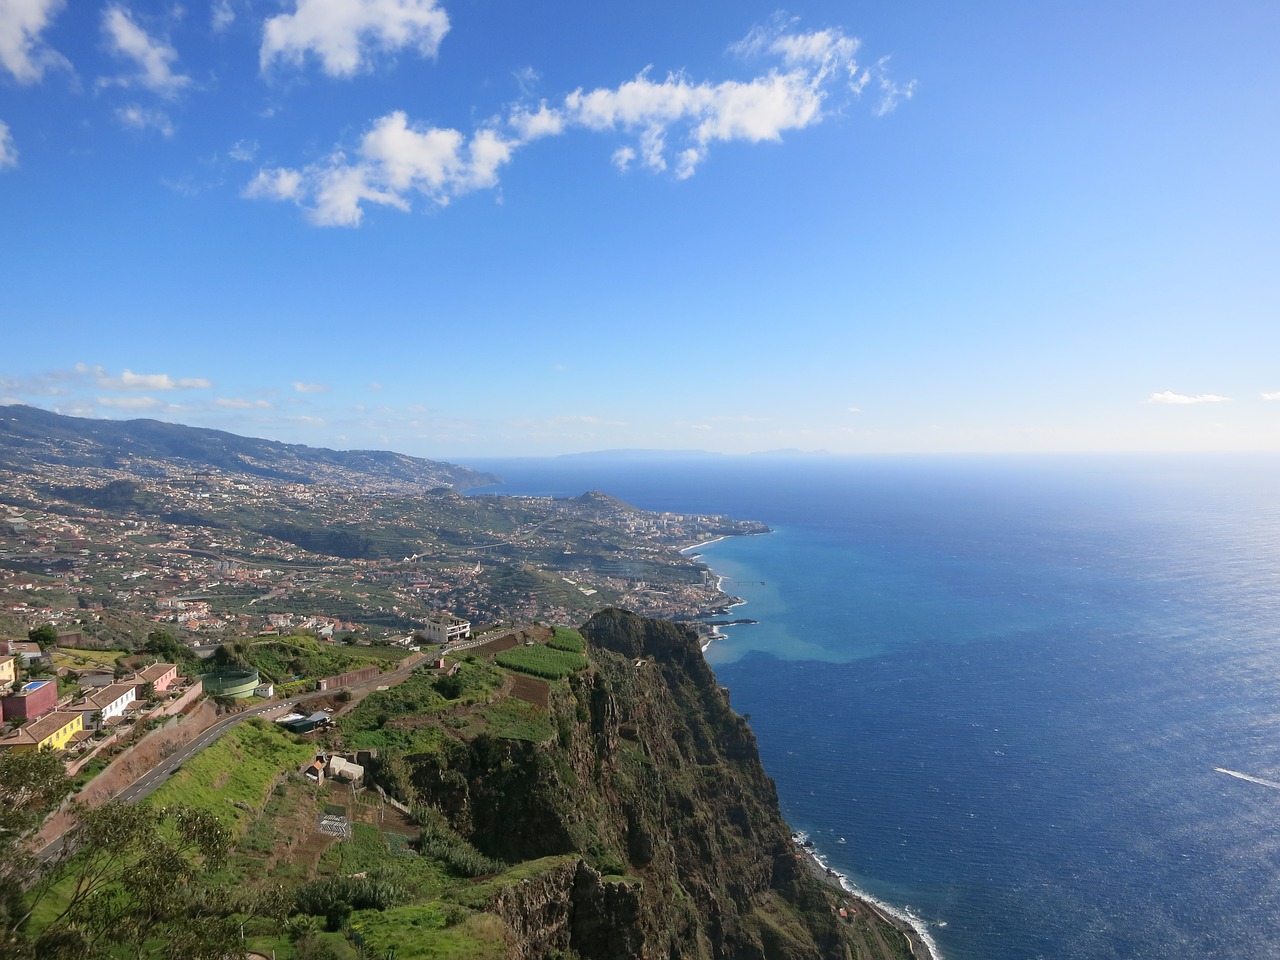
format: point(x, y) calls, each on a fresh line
point(31, 437)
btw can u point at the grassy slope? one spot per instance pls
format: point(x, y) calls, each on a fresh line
point(238, 768)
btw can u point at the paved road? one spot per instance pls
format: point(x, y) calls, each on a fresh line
point(150, 781)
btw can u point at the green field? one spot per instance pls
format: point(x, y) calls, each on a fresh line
point(540, 661)
point(238, 768)
point(430, 932)
point(566, 639)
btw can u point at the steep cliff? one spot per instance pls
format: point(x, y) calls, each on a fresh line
point(646, 826)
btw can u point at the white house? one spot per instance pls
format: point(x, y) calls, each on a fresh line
point(446, 628)
point(111, 700)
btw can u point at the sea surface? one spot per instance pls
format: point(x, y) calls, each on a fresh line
point(1034, 702)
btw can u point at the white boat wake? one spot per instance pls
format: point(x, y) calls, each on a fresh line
point(1244, 776)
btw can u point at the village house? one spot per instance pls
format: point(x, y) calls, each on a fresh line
point(161, 676)
point(53, 731)
point(339, 768)
point(8, 673)
point(112, 701)
point(446, 628)
point(25, 650)
point(30, 702)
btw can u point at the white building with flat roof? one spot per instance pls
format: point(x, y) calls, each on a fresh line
point(445, 629)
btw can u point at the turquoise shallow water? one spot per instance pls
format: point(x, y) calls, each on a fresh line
point(1011, 686)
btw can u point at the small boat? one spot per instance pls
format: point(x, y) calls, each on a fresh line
point(841, 840)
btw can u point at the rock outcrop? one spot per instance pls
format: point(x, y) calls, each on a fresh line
point(652, 828)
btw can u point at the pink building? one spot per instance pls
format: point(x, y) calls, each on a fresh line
point(34, 699)
point(161, 676)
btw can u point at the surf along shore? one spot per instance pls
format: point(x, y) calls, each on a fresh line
point(919, 941)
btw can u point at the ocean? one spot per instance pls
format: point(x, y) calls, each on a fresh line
point(1032, 702)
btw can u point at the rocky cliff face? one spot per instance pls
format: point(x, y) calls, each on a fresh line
point(662, 827)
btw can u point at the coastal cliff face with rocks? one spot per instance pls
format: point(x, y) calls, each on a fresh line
point(646, 827)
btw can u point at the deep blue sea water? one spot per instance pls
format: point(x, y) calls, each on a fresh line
point(1010, 685)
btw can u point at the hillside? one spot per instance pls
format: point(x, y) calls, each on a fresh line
point(616, 811)
point(31, 438)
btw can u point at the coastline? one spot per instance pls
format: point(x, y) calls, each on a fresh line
point(700, 545)
point(919, 940)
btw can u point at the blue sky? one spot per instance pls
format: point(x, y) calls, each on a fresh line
point(473, 228)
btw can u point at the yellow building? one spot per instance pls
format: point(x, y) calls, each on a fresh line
point(8, 673)
point(53, 731)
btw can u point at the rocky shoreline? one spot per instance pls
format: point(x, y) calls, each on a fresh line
point(921, 946)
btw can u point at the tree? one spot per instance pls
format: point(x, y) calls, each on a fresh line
point(96, 719)
point(126, 878)
point(162, 644)
point(31, 784)
point(46, 636)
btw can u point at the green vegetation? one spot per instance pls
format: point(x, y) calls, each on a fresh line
point(540, 661)
point(139, 876)
point(372, 724)
point(565, 639)
point(441, 842)
point(299, 658)
point(516, 720)
point(430, 932)
point(234, 773)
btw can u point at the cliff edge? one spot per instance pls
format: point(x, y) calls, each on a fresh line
point(645, 827)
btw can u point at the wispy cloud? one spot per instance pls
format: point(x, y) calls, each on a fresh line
point(347, 35)
point(671, 123)
point(154, 59)
point(129, 380)
point(1271, 396)
point(8, 149)
point(137, 117)
point(130, 403)
point(221, 15)
point(567, 420)
point(235, 403)
point(22, 52)
point(1168, 396)
point(301, 387)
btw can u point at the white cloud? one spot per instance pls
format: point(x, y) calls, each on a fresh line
point(129, 380)
point(1271, 396)
point(130, 403)
point(221, 16)
point(674, 123)
point(21, 51)
point(623, 157)
point(891, 92)
point(310, 387)
point(244, 151)
point(1168, 396)
point(345, 34)
point(526, 79)
point(138, 117)
point(529, 126)
point(754, 111)
point(275, 184)
point(8, 149)
point(394, 160)
point(235, 403)
point(153, 58)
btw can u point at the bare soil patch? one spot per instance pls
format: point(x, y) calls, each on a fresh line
point(506, 642)
point(532, 690)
